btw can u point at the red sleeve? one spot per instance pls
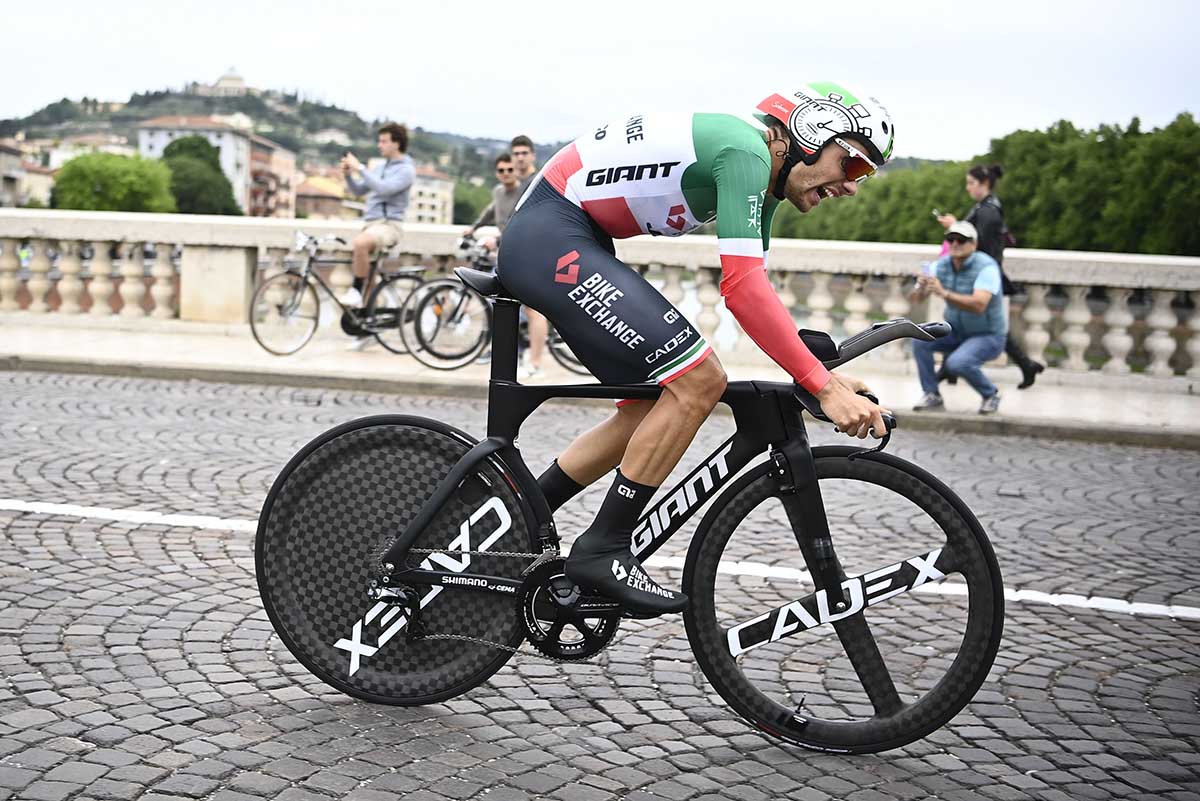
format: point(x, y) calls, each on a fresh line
point(753, 302)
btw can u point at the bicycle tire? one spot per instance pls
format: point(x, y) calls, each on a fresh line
point(916, 634)
point(437, 342)
point(563, 354)
point(385, 310)
point(284, 307)
point(332, 512)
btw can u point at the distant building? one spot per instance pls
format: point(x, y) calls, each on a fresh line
point(228, 85)
point(272, 179)
point(36, 184)
point(62, 151)
point(11, 175)
point(258, 169)
point(432, 197)
point(237, 119)
point(327, 136)
point(323, 198)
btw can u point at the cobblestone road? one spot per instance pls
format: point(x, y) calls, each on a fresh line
point(138, 662)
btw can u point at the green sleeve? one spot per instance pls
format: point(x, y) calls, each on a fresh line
point(767, 218)
point(741, 180)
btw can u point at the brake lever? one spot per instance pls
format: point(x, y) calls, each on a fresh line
point(813, 407)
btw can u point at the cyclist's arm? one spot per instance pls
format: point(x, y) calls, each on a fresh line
point(487, 216)
point(397, 179)
point(741, 178)
point(356, 186)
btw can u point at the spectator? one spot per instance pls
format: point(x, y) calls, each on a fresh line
point(524, 157)
point(539, 327)
point(987, 216)
point(968, 280)
point(504, 196)
point(386, 186)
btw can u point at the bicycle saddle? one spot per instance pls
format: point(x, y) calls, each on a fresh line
point(486, 284)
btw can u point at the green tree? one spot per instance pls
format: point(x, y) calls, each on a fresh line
point(107, 182)
point(199, 188)
point(1110, 189)
point(469, 200)
point(197, 182)
point(196, 147)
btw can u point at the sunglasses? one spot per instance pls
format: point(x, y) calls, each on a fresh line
point(505, 169)
point(856, 166)
point(957, 240)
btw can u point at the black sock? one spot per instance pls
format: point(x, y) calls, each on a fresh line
point(557, 486)
point(358, 283)
point(613, 526)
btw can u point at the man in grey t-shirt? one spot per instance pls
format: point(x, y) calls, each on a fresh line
point(504, 196)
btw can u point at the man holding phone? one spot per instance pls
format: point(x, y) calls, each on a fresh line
point(386, 186)
point(968, 280)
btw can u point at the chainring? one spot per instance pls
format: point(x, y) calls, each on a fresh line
point(351, 325)
point(559, 620)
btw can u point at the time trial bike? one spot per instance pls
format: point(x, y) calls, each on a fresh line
point(842, 599)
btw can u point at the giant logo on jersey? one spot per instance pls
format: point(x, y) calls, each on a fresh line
point(630, 172)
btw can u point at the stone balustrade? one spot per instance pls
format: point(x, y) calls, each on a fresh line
point(1115, 313)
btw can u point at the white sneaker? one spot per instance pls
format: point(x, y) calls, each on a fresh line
point(362, 343)
point(526, 372)
point(351, 297)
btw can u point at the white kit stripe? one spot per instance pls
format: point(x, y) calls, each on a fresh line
point(738, 246)
point(765, 571)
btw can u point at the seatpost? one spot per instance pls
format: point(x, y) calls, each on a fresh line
point(506, 322)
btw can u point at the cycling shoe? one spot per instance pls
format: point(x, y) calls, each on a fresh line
point(619, 575)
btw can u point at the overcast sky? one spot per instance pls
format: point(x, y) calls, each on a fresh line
point(953, 74)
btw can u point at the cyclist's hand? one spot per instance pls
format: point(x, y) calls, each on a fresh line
point(853, 414)
point(468, 231)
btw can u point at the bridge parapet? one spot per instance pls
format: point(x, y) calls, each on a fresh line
point(1080, 312)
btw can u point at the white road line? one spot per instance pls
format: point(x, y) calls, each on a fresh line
point(127, 515)
point(671, 562)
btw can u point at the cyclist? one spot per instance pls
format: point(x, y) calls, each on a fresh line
point(666, 175)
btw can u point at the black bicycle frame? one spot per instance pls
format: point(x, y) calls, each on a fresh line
point(767, 417)
point(373, 273)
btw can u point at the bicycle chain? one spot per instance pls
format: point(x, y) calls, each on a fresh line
point(479, 640)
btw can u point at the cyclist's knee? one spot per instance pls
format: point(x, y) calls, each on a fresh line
point(700, 388)
point(632, 412)
point(364, 243)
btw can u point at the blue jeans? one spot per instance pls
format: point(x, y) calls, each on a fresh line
point(966, 359)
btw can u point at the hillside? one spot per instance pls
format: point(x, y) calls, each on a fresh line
point(286, 118)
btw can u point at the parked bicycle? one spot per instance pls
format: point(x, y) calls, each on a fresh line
point(403, 562)
point(451, 322)
point(285, 309)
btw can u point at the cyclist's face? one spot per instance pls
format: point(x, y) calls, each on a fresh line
point(506, 173)
point(522, 158)
point(387, 148)
point(807, 185)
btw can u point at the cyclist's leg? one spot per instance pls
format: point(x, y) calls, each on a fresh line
point(624, 331)
point(375, 238)
point(363, 247)
point(538, 330)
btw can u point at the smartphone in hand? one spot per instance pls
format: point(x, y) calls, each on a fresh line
point(936, 213)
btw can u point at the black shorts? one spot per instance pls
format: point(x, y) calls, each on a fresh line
point(555, 259)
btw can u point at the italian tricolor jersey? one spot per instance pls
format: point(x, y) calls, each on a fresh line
point(667, 174)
